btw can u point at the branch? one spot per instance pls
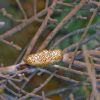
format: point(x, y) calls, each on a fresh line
point(21, 8)
point(62, 23)
point(22, 25)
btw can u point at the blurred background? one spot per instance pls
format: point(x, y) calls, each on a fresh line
point(20, 23)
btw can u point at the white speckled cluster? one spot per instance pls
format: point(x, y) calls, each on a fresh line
point(44, 57)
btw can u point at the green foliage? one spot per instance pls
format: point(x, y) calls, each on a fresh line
point(65, 43)
point(83, 91)
point(13, 11)
point(73, 24)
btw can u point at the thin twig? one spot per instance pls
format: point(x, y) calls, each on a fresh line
point(95, 2)
point(10, 69)
point(43, 95)
point(5, 13)
point(71, 96)
point(78, 64)
point(65, 4)
point(62, 23)
point(79, 31)
point(91, 72)
point(47, 4)
point(59, 76)
point(71, 70)
point(85, 41)
point(22, 9)
point(18, 60)
point(39, 32)
point(17, 47)
point(22, 25)
point(39, 88)
point(84, 35)
point(35, 38)
point(35, 6)
point(42, 85)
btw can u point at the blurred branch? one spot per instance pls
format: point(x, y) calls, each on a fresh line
point(71, 96)
point(79, 31)
point(22, 10)
point(11, 44)
point(65, 4)
point(59, 76)
point(39, 88)
point(16, 78)
point(22, 25)
point(95, 2)
point(5, 13)
point(62, 23)
point(85, 41)
point(35, 6)
point(91, 72)
point(47, 4)
point(78, 64)
point(40, 30)
point(42, 85)
point(83, 36)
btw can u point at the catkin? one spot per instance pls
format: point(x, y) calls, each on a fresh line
point(44, 57)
